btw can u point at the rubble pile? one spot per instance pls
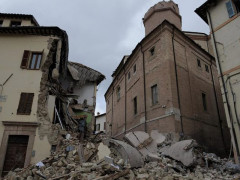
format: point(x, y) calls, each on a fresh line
point(143, 156)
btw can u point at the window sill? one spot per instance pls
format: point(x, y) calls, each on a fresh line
point(23, 114)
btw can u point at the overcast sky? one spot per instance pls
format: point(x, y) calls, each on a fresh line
point(100, 32)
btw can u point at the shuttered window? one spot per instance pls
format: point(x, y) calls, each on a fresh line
point(230, 9)
point(25, 104)
point(31, 63)
point(25, 58)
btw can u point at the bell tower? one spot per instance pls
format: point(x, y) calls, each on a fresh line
point(164, 10)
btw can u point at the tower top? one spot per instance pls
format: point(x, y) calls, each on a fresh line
point(164, 10)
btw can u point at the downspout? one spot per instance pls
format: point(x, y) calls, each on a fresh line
point(144, 90)
point(218, 112)
point(125, 109)
point(224, 87)
point(176, 76)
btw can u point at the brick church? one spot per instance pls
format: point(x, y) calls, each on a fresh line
point(169, 82)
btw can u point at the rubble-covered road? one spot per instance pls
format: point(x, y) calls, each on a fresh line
point(142, 156)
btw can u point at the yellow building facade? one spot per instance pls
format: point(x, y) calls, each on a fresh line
point(31, 58)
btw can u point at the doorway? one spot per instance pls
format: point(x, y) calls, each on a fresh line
point(16, 153)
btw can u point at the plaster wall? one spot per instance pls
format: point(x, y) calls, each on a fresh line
point(39, 153)
point(227, 40)
point(227, 37)
point(22, 80)
point(219, 13)
point(86, 92)
point(101, 120)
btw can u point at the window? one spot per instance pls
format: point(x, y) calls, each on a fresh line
point(129, 75)
point(154, 94)
point(31, 63)
point(1, 22)
point(204, 101)
point(134, 68)
point(152, 51)
point(198, 63)
point(35, 61)
point(25, 104)
point(97, 127)
point(230, 9)
point(206, 68)
point(118, 92)
point(15, 23)
point(135, 105)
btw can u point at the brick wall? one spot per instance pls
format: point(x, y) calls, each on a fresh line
point(203, 125)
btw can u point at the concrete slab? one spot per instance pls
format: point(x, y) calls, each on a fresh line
point(129, 154)
point(182, 151)
point(132, 139)
point(146, 144)
point(157, 137)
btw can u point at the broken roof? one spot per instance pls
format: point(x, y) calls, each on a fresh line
point(19, 16)
point(83, 74)
point(202, 10)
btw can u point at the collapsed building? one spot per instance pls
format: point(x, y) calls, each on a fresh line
point(142, 156)
point(41, 93)
point(170, 83)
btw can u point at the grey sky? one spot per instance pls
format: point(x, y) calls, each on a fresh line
point(100, 31)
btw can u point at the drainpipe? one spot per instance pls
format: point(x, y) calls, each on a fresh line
point(125, 123)
point(218, 112)
point(224, 87)
point(144, 90)
point(176, 76)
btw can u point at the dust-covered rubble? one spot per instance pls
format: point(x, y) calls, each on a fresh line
point(102, 158)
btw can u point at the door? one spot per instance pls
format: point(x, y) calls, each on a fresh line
point(16, 153)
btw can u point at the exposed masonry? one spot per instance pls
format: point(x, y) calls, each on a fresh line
point(45, 127)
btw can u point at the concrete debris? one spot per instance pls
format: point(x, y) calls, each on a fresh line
point(129, 154)
point(233, 168)
point(103, 151)
point(102, 158)
point(182, 151)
